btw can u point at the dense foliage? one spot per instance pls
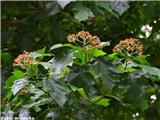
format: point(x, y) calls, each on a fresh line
point(96, 60)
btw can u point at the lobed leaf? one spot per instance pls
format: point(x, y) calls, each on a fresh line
point(18, 85)
point(104, 102)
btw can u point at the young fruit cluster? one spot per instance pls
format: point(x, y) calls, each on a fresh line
point(86, 39)
point(23, 59)
point(129, 47)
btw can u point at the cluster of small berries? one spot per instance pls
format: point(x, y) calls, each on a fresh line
point(90, 41)
point(130, 46)
point(23, 59)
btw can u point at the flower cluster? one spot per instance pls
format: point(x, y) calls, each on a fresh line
point(71, 38)
point(23, 59)
point(86, 39)
point(129, 46)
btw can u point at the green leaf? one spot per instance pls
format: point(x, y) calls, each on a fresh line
point(116, 98)
point(144, 105)
point(37, 108)
point(60, 62)
point(107, 72)
point(36, 54)
point(81, 56)
point(142, 59)
point(136, 90)
point(84, 80)
point(18, 85)
point(119, 6)
point(95, 99)
point(58, 90)
point(63, 3)
point(82, 92)
point(71, 46)
point(128, 69)
point(56, 46)
point(37, 93)
point(95, 52)
point(40, 102)
point(106, 7)
point(151, 70)
point(83, 13)
point(113, 56)
point(17, 74)
point(41, 51)
point(151, 90)
point(104, 102)
point(73, 88)
point(52, 8)
point(46, 65)
point(148, 69)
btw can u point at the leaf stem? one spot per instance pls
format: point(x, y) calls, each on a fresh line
point(126, 64)
point(45, 91)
